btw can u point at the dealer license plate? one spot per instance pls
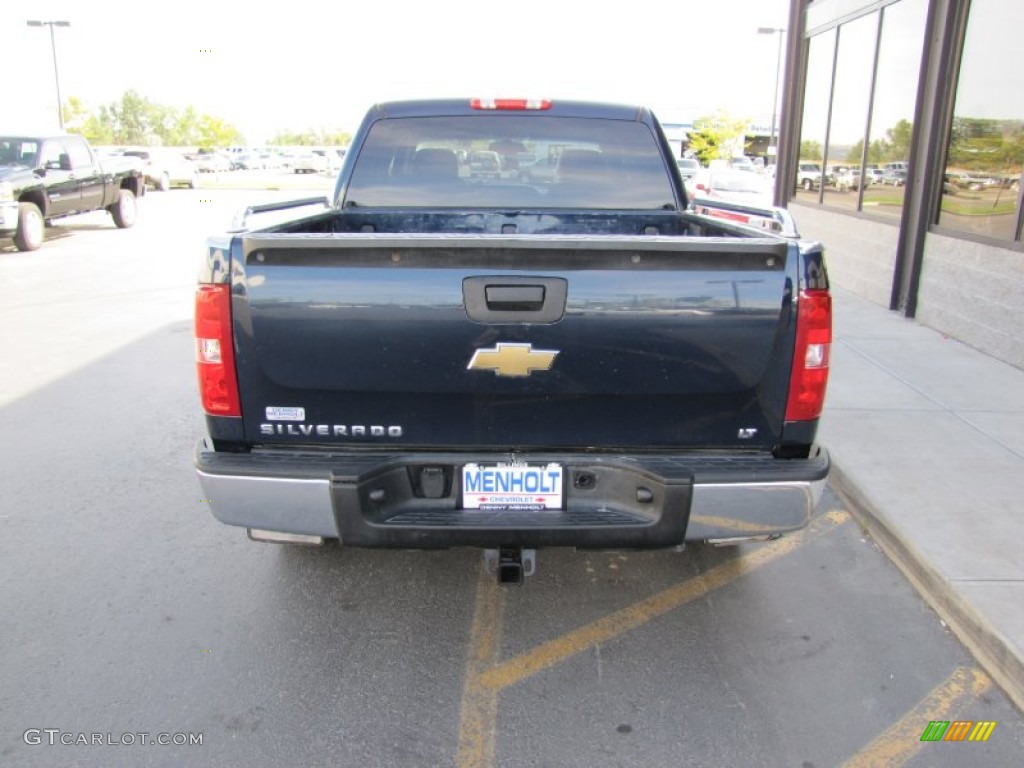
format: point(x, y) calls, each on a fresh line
point(518, 487)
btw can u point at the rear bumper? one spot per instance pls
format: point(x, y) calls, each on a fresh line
point(612, 501)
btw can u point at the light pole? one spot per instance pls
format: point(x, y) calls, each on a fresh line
point(53, 47)
point(778, 70)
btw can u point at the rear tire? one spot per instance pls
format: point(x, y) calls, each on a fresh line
point(808, 185)
point(31, 227)
point(124, 210)
point(165, 182)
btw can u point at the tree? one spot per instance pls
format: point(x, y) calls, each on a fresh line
point(185, 131)
point(134, 119)
point(214, 132)
point(811, 150)
point(311, 138)
point(337, 138)
point(78, 119)
point(75, 113)
point(899, 140)
point(131, 118)
point(704, 146)
point(718, 136)
point(294, 138)
point(879, 151)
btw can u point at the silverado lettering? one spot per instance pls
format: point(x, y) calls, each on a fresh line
point(335, 430)
point(467, 244)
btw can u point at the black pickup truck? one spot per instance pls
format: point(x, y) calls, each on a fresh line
point(47, 177)
point(578, 358)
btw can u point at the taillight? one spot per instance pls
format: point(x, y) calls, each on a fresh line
point(215, 357)
point(512, 104)
point(809, 376)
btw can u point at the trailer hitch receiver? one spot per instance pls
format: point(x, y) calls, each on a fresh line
point(512, 564)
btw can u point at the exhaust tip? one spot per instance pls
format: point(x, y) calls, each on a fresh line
point(278, 537)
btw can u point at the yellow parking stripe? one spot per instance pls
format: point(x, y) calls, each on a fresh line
point(530, 663)
point(479, 709)
point(902, 740)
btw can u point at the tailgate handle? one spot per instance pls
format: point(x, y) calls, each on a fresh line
point(515, 298)
point(501, 299)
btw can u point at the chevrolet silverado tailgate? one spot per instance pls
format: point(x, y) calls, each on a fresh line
point(512, 341)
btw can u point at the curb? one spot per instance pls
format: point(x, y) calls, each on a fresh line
point(992, 650)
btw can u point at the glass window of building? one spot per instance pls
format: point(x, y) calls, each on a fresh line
point(892, 115)
point(982, 187)
point(850, 97)
point(817, 92)
point(836, 113)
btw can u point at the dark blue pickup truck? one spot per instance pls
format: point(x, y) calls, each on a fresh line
point(510, 360)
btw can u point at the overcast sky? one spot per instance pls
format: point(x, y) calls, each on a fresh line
point(322, 64)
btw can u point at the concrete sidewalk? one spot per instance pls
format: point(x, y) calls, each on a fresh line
point(927, 442)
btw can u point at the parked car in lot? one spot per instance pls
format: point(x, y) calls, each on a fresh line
point(233, 155)
point(832, 173)
point(742, 163)
point(688, 167)
point(734, 186)
point(165, 168)
point(46, 177)
point(332, 158)
point(894, 176)
point(484, 164)
point(211, 162)
point(808, 176)
point(259, 161)
point(971, 181)
point(850, 179)
point(248, 161)
point(272, 161)
point(308, 162)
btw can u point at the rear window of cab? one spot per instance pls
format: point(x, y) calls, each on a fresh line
point(435, 161)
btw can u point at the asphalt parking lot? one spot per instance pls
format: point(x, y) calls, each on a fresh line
point(126, 609)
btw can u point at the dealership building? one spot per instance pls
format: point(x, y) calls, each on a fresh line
point(921, 104)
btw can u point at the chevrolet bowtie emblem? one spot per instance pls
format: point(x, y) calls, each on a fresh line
point(513, 360)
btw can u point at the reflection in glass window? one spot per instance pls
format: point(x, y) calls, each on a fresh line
point(51, 154)
point(851, 95)
point(899, 62)
point(982, 188)
point(895, 93)
point(812, 132)
point(79, 153)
